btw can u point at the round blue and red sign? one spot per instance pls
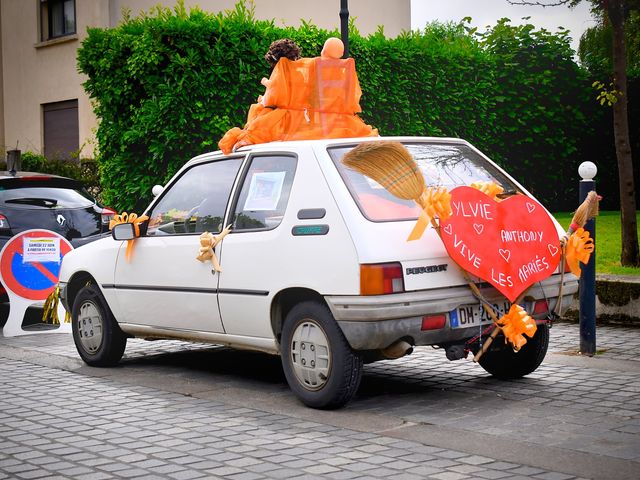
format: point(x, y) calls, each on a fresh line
point(30, 263)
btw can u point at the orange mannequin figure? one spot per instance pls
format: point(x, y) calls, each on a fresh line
point(308, 98)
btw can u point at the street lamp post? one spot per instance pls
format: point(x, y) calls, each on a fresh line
point(344, 26)
point(587, 171)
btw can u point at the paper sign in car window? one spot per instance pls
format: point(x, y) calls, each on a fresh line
point(264, 191)
point(41, 250)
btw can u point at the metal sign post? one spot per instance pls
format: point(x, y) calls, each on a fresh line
point(344, 26)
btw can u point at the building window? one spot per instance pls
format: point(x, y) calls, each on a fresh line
point(58, 18)
point(61, 135)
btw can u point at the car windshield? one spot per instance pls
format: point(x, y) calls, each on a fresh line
point(45, 197)
point(442, 164)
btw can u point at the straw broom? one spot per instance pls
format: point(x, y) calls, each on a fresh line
point(393, 167)
point(389, 164)
point(587, 210)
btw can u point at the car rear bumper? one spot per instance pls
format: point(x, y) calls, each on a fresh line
point(374, 322)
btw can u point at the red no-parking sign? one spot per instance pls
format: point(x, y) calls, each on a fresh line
point(30, 263)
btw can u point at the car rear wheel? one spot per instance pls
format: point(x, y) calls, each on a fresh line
point(502, 362)
point(97, 336)
point(319, 364)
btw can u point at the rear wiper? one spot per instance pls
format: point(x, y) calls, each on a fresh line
point(44, 202)
point(508, 193)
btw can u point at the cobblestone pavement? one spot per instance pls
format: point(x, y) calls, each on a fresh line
point(181, 411)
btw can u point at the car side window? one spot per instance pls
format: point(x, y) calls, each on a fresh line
point(196, 202)
point(265, 192)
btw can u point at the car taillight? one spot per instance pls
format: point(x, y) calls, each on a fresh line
point(381, 278)
point(4, 223)
point(541, 306)
point(106, 215)
point(434, 322)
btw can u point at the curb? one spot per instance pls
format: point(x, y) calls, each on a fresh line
point(617, 301)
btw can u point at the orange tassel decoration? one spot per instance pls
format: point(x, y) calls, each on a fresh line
point(515, 325)
point(129, 218)
point(435, 202)
point(579, 248)
point(491, 189)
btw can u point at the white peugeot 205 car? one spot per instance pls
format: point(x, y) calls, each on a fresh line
point(316, 268)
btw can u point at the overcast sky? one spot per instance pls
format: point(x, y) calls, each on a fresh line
point(487, 12)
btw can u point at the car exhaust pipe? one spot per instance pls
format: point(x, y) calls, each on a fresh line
point(396, 350)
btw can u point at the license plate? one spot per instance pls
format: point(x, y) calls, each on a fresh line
point(475, 315)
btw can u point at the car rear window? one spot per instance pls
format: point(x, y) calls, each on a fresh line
point(442, 164)
point(38, 194)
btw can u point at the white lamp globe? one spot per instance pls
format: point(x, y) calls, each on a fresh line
point(587, 170)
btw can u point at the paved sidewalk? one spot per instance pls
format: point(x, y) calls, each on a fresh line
point(95, 429)
point(179, 410)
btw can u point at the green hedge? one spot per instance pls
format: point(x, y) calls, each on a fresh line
point(168, 85)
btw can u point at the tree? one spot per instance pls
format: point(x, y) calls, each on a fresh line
point(595, 49)
point(616, 12)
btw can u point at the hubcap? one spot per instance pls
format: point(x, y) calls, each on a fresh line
point(310, 355)
point(90, 327)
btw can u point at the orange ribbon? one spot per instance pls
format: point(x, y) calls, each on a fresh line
point(515, 324)
point(491, 189)
point(208, 242)
point(129, 218)
point(435, 202)
point(579, 249)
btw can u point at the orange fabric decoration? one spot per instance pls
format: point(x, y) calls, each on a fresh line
point(515, 324)
point(579, 248)
point(435, 202)
point(129, 218)
point(489, 188)
point(310, 98)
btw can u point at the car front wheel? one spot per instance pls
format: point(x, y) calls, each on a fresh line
point(319, 364)
point(97, 336)
point(502, 362)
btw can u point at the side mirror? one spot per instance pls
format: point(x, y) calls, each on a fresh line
point(157, 190)
point(123, 231)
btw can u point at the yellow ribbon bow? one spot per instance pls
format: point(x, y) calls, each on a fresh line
point(515, 324)
point(208, 242)
point(491, 189)
point(578, 249)
point(50, 311)
point(435, 202)
point(129, 218)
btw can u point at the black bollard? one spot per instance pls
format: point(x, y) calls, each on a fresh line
point(587, 171)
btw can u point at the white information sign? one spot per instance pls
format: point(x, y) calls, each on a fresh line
point(41, 250)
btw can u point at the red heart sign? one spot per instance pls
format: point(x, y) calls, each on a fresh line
point(511, 244)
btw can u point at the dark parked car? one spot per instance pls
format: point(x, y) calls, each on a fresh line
point(35, 200)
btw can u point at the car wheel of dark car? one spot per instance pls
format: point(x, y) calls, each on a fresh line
point(320, 366)
point(502, 362)
point(97, 336)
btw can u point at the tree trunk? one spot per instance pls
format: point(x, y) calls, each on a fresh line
point(630, 253)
